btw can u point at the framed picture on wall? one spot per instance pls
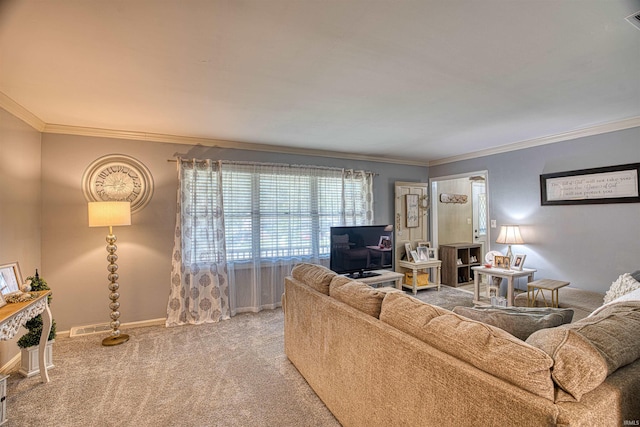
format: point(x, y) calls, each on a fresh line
point(412, 210)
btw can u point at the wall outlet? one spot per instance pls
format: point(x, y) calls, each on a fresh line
point(493, 223)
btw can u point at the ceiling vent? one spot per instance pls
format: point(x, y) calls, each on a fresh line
point(634, 19)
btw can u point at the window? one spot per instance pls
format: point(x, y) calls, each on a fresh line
point(276, 211)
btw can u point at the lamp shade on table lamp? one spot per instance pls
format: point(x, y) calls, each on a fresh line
point(510, 235)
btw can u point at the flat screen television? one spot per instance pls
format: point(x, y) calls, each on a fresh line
point(357, 250)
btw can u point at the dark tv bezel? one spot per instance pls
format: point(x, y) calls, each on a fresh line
point(382, 228)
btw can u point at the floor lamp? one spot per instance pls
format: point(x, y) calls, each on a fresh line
point(110, 214)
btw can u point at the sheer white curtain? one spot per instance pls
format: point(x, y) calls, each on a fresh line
point(272, 216)
point(199, 281)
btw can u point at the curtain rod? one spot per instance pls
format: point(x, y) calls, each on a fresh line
point(234, 162)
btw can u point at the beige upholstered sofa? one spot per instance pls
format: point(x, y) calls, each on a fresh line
point(380, 358)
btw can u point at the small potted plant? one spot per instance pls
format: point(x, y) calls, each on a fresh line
point(29, 342)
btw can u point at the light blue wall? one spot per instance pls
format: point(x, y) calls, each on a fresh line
point(588, 245)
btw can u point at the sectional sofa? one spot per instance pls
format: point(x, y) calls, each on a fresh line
point(383, 358)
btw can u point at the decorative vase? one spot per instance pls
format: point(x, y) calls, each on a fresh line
point(29, 363)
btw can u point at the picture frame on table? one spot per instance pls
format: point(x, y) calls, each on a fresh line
point(423, 253)
point(408, 249)
point(10, 279)
point(503, 262)
point(518, 262)
point(433, 253)
point(385, 242)
point(414, 255)
point(424, 244)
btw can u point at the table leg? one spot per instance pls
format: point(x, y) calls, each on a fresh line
point(476, 287)
point(42, 347)
point(509, 291)
point(414, 282)
point(438, 275)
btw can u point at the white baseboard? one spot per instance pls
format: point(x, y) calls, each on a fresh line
point(15, 360)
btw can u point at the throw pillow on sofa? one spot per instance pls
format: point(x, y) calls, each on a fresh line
point(623, 285)
point(518, 321)
point(316, 276)
point(587, 351)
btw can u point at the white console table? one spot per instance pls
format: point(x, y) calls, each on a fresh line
point(498, 272)
point(14, 315)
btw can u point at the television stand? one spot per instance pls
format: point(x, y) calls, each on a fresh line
point(357, 275)
point(382, 276)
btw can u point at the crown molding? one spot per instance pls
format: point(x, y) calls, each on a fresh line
point(219, 143)
point(20, 112)
point(565, 136)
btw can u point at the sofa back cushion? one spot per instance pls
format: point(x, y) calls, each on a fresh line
point(359, 296)
point(587, 351)
point(316, 276)
point(405, 312)
point(518, 321)
point(486, 347)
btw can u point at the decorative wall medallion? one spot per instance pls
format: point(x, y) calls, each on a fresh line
point(118, 177)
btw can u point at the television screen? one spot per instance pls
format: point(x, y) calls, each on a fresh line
point(356, 250)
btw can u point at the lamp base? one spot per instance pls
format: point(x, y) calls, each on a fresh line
point(122, 338)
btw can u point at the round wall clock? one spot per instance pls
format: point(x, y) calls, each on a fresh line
point(118, 178)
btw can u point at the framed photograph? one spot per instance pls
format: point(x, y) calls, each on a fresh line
point(412, 210)
point(408, 249)
point(518, 262)
point(385, 242)
point(425, 244)
point(10, 279)
point(611, 184)
point(414, 255)
point(433, 254)
point(502, 262)
point(423, 253)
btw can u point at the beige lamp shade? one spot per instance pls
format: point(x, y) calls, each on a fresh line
point(510, 235)
point(106, 214)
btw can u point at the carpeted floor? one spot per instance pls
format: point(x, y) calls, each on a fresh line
point(233, 373)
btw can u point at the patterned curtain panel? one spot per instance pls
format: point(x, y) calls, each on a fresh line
point(233, 257)
point(199, 280)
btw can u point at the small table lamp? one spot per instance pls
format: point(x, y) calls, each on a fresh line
point(109, 214)
point(510, 235)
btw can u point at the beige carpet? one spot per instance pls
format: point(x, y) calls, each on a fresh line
point(233, 373)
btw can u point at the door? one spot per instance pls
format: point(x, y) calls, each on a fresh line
point(479, 200)
point(411, 225)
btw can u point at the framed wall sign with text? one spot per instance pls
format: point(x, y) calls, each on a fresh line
point(611, 184)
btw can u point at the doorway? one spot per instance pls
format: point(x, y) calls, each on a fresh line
point(456, 219)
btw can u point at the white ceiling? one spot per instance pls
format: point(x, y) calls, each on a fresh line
point(419, 80)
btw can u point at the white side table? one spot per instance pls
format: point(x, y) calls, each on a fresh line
point(499, 272)
point(435, 264)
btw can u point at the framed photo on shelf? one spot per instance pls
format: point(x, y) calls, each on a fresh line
point(10, 279)
point(433, 254)
point(502, 262)
point(425, 244)
point(423, 253)
point(518, 262)
point(414, 255)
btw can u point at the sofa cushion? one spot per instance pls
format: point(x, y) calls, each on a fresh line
point(489, 349)
point(587, 351)
point(359, 296)
point(316, 276)
point(518, 321)
point(623, 285)
point(403, 311)
point(337, 281)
